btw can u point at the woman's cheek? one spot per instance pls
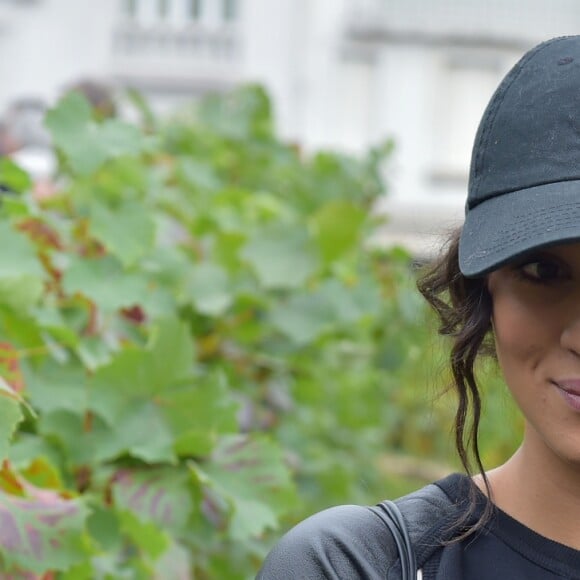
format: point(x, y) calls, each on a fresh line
point(521, 339)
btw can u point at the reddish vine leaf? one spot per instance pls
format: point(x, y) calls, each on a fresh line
point(134, 314)
point(157, 495)
point(41, 233)
point(27, 576)
point(40, 532)
point(41, 473)
point(10, 369)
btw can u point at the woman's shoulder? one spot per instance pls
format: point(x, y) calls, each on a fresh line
point(352, 541)
point(346, 541)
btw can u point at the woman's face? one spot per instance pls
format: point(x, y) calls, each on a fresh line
point(536, 321)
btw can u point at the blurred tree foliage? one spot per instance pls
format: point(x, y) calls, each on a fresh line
point(198, 347)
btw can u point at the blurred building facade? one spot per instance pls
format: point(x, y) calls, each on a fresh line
point(344, 74)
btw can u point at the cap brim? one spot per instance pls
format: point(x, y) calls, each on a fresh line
point(505, 227)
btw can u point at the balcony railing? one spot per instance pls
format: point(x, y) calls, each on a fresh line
point(186, 51)
point(490, 21)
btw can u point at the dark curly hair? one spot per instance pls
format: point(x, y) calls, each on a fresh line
point(464, 309)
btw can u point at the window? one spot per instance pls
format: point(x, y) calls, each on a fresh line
point(195, 9)
point(466, 83)
point(229, 10)
point(162, 9)
point(130, 8)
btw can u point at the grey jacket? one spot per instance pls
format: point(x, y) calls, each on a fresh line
point(350, 542)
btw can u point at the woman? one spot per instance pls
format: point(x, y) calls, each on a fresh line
point(509, 284)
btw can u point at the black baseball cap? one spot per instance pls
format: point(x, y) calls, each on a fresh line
point(524, 183)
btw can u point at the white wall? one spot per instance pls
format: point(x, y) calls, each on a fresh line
point(273, 48)
point(48, 44)
point(291, 46)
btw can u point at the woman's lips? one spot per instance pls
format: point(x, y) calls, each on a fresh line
point(570, 391)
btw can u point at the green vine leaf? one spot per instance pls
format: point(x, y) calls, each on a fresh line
point(155, 405)
point(210, 289)
point(106, 283)
point(14, 177)
point(282, 257)
point(191, 311)
point(87, 144)
point(10, 418)
point(127, 230)
point(338, 228)
point(21, 273)
point(304, 317)
point(175, 563)
point(250, 473)
point(54, 386)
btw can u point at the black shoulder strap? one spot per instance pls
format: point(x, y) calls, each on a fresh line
point(393, 518)
point(429, 516)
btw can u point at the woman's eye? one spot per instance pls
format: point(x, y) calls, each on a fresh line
point(542, 270)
